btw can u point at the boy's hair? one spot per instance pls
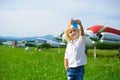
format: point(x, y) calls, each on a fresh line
point(70, 27)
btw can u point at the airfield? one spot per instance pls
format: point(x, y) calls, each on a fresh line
point(47, 64)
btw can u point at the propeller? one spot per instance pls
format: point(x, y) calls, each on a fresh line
point(101, 30)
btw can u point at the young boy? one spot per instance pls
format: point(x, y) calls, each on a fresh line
point(75, 57)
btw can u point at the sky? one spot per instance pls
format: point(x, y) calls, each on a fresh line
point(26, 18)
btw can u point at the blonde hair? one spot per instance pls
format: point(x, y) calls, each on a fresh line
point(70, 27)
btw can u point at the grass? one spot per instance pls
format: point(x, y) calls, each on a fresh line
point(18, 64)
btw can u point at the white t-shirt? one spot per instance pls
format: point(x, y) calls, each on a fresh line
point(75, 52)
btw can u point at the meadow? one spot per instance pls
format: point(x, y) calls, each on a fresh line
point(19, 64)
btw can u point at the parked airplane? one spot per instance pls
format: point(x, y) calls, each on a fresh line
point(9, 43)
point(14, 43)
point(104, 35)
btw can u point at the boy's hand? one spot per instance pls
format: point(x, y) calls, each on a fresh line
point(66, 67)
point(66, 64)
point(78, 22)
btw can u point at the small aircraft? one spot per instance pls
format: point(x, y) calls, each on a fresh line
point(51, 42)
point(104, 36)
point(14, 43)
point(9, 43)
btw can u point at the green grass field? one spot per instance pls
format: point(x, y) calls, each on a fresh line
point(18, 64)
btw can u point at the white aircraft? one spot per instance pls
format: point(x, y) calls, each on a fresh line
point(51, 42)
point(9, 43)
point(104, 36)
point(14, 43)
point(20, 43)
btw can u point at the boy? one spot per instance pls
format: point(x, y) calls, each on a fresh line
point(75, 57)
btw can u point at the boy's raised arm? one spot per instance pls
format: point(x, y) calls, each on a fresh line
point(81, 27)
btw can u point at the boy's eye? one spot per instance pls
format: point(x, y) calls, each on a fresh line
point(70, 32)
point(74, 30)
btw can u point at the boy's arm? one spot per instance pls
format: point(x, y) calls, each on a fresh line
point(66, 64)
point(81, 27)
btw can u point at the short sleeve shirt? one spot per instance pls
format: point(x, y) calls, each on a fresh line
point(75, 52)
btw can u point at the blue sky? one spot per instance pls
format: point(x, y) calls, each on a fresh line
point(23, 18)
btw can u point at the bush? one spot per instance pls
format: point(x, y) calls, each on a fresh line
point(0, 43)
point(45, 45)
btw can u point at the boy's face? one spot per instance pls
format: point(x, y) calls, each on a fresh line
point(73, 33)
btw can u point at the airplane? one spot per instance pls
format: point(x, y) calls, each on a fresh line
point(101, 36)
point(9, 43)
point(14, 43)
point(104, 36)
point(21, 43)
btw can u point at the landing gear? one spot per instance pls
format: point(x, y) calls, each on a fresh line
point(119, 52)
